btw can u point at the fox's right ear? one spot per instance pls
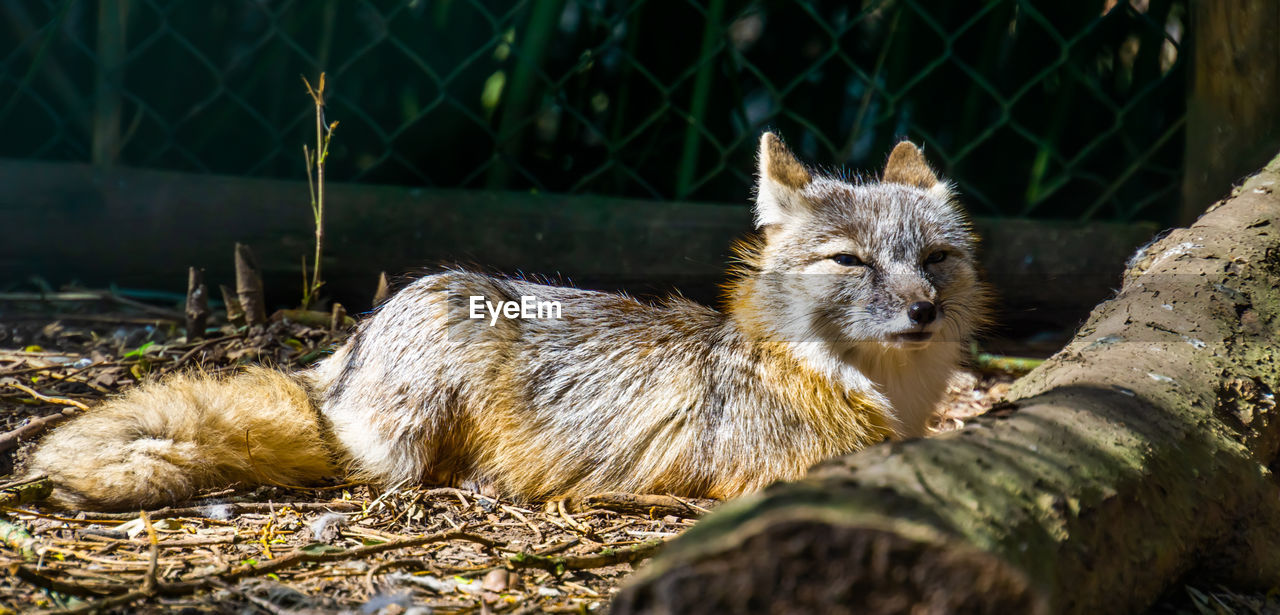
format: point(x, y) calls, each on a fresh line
point(780, 184)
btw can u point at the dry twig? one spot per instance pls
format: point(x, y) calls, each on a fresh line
point(231, 509)
point(607, 556)
point(62, 401)
point(653, 506)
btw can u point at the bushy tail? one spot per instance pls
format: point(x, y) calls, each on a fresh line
point(163, 442)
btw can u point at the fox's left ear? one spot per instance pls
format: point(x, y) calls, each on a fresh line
point(780, 187)
point(907, 166)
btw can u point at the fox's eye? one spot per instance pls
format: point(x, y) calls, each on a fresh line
point(936, 257)
point(848, 260)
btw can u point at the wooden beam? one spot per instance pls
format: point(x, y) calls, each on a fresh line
point(142, 228)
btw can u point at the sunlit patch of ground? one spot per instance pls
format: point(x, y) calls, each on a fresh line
point(287, 549)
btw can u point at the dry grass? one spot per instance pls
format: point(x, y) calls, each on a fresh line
point(452, 550)
point(294, 550)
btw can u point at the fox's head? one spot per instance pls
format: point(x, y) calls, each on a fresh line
point(888, 262)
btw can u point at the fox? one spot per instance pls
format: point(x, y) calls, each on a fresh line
point(845, 315)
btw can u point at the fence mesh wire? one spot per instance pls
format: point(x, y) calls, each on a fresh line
point(1034, 107)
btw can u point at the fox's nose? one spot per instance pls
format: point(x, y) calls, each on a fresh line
point(922, 312)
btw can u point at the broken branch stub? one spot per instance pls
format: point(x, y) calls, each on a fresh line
point(197, 309)
point(249, 286)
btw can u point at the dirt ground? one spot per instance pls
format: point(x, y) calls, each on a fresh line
point(285, 549)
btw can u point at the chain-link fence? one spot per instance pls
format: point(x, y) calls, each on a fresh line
point(1035, 107)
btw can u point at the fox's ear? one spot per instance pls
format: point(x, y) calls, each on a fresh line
point(907, 166)
point(781, 181)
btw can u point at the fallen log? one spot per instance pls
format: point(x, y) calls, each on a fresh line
point(1136, 455)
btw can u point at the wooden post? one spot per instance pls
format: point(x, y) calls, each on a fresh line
point(1233, 123)
point(112, 19)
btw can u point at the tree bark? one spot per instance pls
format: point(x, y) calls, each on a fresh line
point(1136, 455)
